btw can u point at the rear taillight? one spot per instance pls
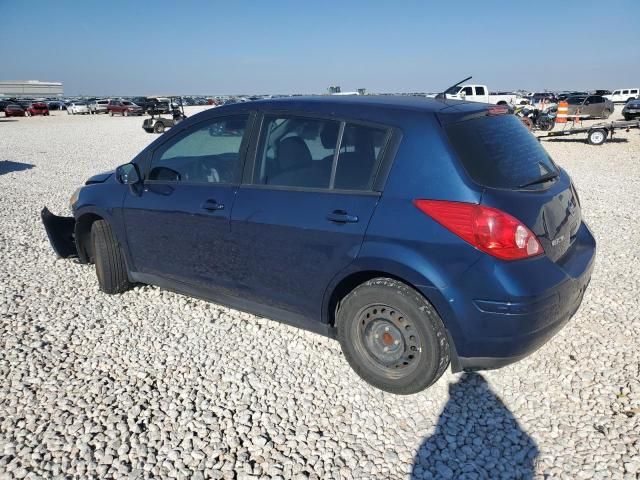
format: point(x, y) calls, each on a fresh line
point(487, 229)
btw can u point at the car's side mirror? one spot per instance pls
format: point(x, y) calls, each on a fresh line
point(128, 174)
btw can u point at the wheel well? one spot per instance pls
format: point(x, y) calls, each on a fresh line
point(83, 236)
point(502, 102)
point(350, 282)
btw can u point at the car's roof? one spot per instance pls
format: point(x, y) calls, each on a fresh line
point(391, 102)
point(392, 109)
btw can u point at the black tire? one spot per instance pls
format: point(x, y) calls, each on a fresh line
point(111, 268)
point(597, 136)
point(158, 127)
point(384, 314)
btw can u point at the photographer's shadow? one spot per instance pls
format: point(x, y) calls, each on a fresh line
point(477, 437)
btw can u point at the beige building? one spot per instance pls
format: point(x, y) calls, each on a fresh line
point(30, 88)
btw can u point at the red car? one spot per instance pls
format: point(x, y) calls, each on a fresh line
point(14, 110)
point(124, 108)
point(38, 108)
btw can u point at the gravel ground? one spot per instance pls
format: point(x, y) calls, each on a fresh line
point(150, 383)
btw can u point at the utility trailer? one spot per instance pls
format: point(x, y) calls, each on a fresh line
point(596, 134)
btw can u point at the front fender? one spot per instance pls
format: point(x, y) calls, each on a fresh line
point(102, 200)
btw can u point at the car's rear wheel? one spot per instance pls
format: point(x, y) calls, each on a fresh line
point(159, 127)
point(111, 268)
point(392, 336)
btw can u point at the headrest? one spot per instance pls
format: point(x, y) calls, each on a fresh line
point(329, 135)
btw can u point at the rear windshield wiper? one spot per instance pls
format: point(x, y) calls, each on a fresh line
point(542, 179)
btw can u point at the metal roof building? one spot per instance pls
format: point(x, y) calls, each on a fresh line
point(17, 88)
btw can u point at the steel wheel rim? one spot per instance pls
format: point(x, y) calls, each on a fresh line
point(388, 340)
point(597, 137)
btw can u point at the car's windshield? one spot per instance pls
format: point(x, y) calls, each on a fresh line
point(499, 152)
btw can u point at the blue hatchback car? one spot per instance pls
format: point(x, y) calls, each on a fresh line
point(418, 232)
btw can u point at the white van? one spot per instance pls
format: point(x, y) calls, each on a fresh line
point(623, 95)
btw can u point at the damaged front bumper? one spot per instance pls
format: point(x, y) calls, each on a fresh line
point(60, 231)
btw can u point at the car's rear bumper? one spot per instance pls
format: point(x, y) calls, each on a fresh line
point(60, 231)
point(537, 298)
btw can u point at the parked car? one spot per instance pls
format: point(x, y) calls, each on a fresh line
point(37, 108)
point(542, 97)
point(333, 222)
point(631, 110)
point(156, 105)
point(624, 95)
point(563, 96)
point(124, 108)
point(78, 108)
point(98, 106)
point(594, 106)
point(14, 110)
point(4, 103)
point(601, 92)
point(57, 105)
point(480, 93)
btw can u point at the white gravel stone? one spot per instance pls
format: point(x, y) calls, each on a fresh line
point(150, 383)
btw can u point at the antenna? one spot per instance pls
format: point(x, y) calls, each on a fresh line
point(442, 94)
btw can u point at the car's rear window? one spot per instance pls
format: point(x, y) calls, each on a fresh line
point(499, 152)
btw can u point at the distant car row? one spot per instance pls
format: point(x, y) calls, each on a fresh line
point(24, 109)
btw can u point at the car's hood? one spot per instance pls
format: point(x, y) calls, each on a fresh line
point(99, 178)
point(633, 103)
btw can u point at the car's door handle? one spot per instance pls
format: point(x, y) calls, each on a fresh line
point(212, 205)
point(340, 216)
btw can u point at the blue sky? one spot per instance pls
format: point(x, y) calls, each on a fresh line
point(210, 47)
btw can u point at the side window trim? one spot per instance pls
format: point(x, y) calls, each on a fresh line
point(336, 156)
point(185, 131)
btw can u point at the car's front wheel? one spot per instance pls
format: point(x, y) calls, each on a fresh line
point(111, 267)
point(392, 336)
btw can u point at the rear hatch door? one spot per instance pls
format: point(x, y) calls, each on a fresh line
point(518, 175)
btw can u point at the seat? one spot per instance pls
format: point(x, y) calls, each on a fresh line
point(355, 170)
point(296, 166)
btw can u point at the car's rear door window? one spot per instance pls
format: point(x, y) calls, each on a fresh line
point(210, 153)
point(499, 152)
point(302, 152)
point(361, 149)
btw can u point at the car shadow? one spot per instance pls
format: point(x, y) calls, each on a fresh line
point(7, 166)
point(8, 120)
point(476, 437)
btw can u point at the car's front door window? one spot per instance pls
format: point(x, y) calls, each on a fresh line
point(208, 154)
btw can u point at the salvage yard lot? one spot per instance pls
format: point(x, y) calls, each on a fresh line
point(154, 383)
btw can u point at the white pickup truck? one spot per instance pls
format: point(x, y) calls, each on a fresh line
point(480, 93)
